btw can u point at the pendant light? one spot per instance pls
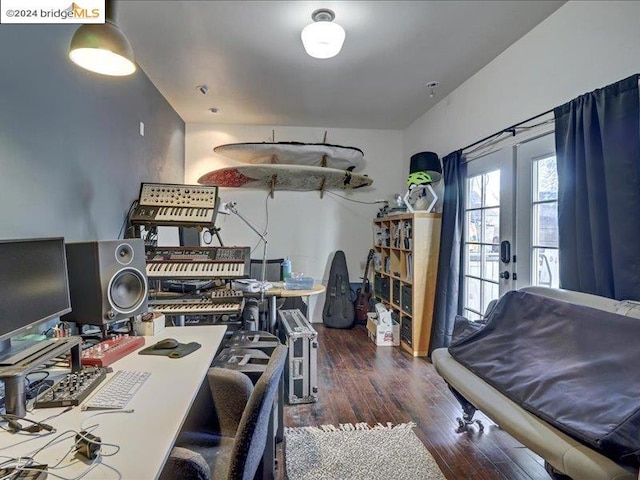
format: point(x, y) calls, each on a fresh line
point(323, 38)
point(103, 48)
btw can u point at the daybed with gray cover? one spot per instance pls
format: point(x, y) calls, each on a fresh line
point(560, 372)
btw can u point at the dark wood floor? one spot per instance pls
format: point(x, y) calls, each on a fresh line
point(359, 382)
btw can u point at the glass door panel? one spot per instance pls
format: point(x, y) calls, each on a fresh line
point(537, 205)
point(488, 221)
point(512, 196)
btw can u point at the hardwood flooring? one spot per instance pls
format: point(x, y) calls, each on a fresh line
point(359, 382)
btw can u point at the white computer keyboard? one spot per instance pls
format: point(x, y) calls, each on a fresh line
point(118, 391)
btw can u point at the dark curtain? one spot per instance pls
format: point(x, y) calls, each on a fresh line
point(449, 301)
point(598, 154)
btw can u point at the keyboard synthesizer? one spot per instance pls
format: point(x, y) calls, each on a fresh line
point(198, 262)
point(106, 352)
point(175, 205)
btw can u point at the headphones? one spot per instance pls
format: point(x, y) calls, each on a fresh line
point(14, 426)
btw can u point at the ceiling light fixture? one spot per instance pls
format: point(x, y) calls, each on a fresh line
point(323, 38)
point(102, 47)
point(214, 110)
point(204, 89)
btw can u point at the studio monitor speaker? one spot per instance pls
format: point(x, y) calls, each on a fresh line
point(107, 281)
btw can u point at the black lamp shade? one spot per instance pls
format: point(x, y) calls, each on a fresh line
point(426, 162)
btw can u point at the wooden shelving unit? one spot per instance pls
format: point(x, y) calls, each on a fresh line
point(405, 270)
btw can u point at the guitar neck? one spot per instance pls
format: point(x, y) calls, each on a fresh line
point(365, 279)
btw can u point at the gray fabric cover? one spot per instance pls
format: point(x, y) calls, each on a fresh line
point(573, 366)
point(463, 327)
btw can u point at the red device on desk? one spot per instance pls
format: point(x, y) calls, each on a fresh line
point(106, 352)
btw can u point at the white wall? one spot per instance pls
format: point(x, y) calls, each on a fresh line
point(580, 47)
point(301, 224)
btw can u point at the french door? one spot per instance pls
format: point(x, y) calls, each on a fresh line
point(511, 228)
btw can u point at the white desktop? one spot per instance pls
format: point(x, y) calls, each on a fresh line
point(146, 435)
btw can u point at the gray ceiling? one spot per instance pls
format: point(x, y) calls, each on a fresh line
point(250, 55)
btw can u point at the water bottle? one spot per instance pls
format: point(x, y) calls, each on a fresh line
point(286, 268)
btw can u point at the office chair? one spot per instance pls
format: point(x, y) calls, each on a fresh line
point(244, 413)
point(273, 272)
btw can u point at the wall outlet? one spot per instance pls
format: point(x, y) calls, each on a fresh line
point(142, 129)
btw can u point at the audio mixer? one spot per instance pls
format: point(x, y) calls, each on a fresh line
point(72, 389)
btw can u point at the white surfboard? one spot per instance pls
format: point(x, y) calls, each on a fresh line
point(285, 177)
point(293, 153)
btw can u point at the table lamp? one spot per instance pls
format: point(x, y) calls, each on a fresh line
point(424, 170)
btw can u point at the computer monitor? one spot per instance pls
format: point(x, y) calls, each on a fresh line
point(34, 286)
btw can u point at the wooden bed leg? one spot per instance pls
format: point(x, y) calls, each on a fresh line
point(322, 185)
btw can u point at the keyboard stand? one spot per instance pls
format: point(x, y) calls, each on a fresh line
point(14, 375)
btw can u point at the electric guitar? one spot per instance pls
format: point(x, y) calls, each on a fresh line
point(363, 295)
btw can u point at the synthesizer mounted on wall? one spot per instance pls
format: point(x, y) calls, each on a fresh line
point(165, 204)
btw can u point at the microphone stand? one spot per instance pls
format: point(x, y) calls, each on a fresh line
point(231, 207)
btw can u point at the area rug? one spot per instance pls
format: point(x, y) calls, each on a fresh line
point(358, 452)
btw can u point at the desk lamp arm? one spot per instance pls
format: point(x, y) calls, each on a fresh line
point(231, 206)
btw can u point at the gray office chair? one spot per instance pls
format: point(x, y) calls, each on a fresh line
point(273, 272)
point(244, 416)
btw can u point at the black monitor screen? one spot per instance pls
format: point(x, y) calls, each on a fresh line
point(33, 283)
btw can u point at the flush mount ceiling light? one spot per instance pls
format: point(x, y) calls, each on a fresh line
point(103, 48)
point(323, 38)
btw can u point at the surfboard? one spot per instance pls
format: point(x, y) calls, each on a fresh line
point(293, 153)
point(285, 177)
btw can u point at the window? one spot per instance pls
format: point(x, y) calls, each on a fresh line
point(482, 236)
point(544, 217)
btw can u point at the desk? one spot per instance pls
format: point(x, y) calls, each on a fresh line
point(145, 436)
point(278, 291)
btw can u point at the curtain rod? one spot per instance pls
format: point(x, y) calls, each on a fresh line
point(508, 129)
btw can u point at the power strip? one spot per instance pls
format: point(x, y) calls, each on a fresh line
point(35, 471)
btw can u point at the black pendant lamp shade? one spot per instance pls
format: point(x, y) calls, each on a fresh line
point(426, 162)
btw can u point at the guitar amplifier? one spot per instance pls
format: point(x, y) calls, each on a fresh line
point(301, 369)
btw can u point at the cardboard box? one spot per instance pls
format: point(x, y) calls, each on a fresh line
point(385, 334)
point(149, 323)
